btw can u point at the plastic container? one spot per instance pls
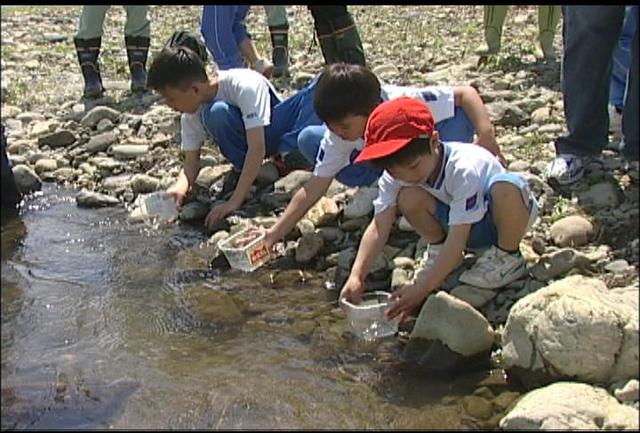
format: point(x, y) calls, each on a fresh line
point(367, 320)
point(158, 205)
point(248, 254)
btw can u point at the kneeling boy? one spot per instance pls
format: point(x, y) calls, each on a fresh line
point(456, 196)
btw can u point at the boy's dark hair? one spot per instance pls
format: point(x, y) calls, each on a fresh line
point(346, 89)
point(177, 67)
point(416, 147)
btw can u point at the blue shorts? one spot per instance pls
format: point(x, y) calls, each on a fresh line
point(484, 233)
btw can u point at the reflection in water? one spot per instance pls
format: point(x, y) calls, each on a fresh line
point(107, 324)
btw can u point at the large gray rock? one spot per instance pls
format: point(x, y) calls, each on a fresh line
point(575, 328)
point(324, 212)
point(142, 183)
point(571, 231)
point(100, 142)
point(454, 323)
point(26, 179)
point(129, 151)
point(91, 199)
point(61, 138)
point(557, 263)
point(507, 114)
point(570, 406)
point(361, 204)
point(601, 195)
point(96, 114)
point(308, 246)
point(293, 181)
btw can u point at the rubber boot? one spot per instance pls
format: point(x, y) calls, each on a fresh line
point(137, 50)
point(327, 43)
point(280, 53)
point(88, 51)
point(347, 40)
point(493, 21)
point(548, 17)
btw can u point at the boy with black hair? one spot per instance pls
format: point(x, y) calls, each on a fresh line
point(239, 108)
point(456, 196)
point(345, 96)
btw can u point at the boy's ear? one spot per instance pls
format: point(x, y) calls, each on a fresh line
point(435, 139)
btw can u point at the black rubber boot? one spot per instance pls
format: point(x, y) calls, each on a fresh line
point(137, 50)
point(88, 51)
point(280, 54)
point(327, 43)
point(347, 40)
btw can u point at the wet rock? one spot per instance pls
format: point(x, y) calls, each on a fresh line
point(26, 179)
point(91, 199)
point(441, 318)
point(96, 114)
point(571, 231)
point(117, 183)
point(267, 174)
point(557, 263)
point(194, 210)
point(575, 328)
point(569, 406)
point(308, 247)
point(212, 306)
point(477, 407)
point(142, 183)
point(100, 142)
point(601, 195)
point(57, 139)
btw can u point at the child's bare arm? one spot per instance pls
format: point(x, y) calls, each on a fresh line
point(468, 98)
point(373, 241)
point(187, 176)
point(301, 202)
point(411, 296)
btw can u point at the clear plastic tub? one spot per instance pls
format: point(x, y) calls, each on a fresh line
point(158, 205)
point(366, 318)
point(245, 250)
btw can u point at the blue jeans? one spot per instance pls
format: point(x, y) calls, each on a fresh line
point(224, 123)
point(484, 233)
point(591, 34)
point(223, 29)
point(457, 128)
point(622, 58)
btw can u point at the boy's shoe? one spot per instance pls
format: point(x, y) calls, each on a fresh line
point(229, 183)
point(565, 169)
point(495, 268)
point(264, 67)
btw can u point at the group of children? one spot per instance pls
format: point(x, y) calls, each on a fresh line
point(417, 144)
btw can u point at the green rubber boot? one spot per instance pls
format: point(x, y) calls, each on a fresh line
point(548, 17)
point(493, 21)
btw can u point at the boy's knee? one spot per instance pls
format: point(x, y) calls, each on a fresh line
point(507, 192)
point(411, 200)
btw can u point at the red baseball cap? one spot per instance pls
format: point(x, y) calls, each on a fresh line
point(393, 124)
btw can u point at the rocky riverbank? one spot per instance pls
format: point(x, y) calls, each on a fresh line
point(569, 331)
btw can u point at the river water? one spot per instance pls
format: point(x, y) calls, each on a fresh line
point(107, 324)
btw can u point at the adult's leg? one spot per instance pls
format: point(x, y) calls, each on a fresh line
point(87, 41)
point(493, 21)
point(338, 35)
point(630, 111)
point(548, 17)
point(279, 31)
point(136, 35)
point(217, 28)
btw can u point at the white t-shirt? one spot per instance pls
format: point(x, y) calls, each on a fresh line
point(334, 153)
point(462, 179)
point(241, 87)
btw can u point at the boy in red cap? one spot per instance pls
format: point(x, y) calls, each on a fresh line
point(456, 196)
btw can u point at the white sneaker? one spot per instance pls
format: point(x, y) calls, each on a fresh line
point(430, 256)
point(565, 169)
point(495, 268)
